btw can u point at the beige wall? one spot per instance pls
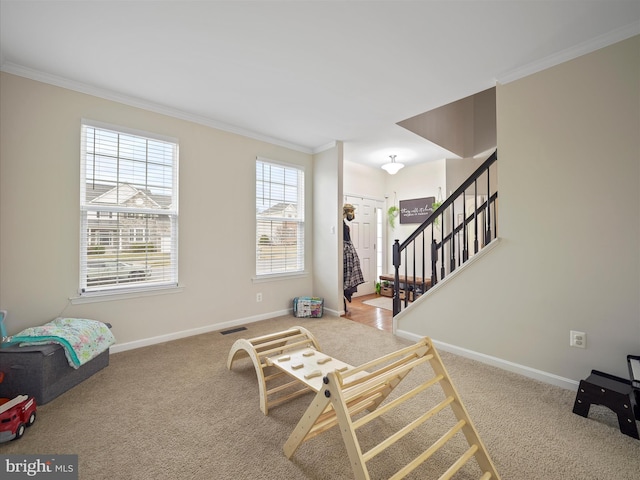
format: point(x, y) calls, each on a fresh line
point(466, 127)
point(364, 181)
point(416, 181)
point(569, 258)
point(39, 218)
point(569, 255)
point(327, 223)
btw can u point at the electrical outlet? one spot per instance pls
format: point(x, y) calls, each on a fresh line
point(577, 339)
point(258, 297)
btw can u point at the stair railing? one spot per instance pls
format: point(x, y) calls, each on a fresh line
point(458, 229)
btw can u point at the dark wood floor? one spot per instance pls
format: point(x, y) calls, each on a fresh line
point(379, 318)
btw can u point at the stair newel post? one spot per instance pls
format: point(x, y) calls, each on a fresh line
point(396, 280)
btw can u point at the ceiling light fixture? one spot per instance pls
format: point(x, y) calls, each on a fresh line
point(392, 167)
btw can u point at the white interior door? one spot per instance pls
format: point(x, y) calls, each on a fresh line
point(363, 237)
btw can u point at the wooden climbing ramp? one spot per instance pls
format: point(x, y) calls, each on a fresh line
point(354, 398)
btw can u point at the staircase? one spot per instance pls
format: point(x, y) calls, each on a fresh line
point(457, 230)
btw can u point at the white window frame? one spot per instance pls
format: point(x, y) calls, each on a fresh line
point(160, 265)
point(266, 264)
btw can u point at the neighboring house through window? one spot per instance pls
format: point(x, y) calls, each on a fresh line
point(129, 210)
point(279, 218)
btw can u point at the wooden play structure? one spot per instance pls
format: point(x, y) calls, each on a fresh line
point(270, 386)
point(353, 397)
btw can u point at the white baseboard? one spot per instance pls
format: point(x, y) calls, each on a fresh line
point(333, 313)
point(145, 342)
point(529, 372)
point(463, 352)
point(122, 347)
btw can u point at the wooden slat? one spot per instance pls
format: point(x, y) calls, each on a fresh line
point(274, 336)
point(389, 406)
point(315, 410)
point(387, 368)
point(286, 398)
point(374, 390)
point(458, 464)
point(282, 348)
point(279, 341)
point(286, 386)
point(374, 380)
point(420, 459)
point(406, 430)
point(273, 376)
point(331, 420)
point(459, 410)
point(404, 351)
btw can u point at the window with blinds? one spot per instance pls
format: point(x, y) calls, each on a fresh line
point(279, 218)
point(129, 210)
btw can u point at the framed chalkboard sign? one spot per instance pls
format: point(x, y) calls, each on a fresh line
point(416, 210)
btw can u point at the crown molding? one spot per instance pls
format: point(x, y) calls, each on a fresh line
point(567, 54)
point(326, 146)
point(80, 87)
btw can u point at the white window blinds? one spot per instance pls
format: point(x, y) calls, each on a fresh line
point(279, 218)
point(129, 210)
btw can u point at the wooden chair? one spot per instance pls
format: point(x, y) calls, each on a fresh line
point(346, 395)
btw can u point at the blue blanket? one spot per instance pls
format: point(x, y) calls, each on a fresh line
point(82, 339)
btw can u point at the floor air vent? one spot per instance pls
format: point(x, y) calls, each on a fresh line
point(233, 330)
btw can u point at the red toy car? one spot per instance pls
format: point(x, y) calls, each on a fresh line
point(15, 415)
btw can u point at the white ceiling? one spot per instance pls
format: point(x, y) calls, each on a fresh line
point(303, 73)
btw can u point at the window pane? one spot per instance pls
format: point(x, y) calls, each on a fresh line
point(129, 211)
point(113, 159)
point(279, 219)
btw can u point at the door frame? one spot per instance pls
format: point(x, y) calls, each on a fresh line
point(379, 233)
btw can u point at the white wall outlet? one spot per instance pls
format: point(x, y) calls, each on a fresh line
point(577, 339)
point(258, 297)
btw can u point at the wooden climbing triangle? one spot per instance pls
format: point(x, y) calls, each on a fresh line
point(356, 397)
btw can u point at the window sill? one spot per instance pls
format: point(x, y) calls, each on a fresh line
point(278, 276)
point(108, 296)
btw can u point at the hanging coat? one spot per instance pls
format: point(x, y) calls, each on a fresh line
point(351, 265)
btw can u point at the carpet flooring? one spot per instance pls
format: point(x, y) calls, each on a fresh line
point(174, 411)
